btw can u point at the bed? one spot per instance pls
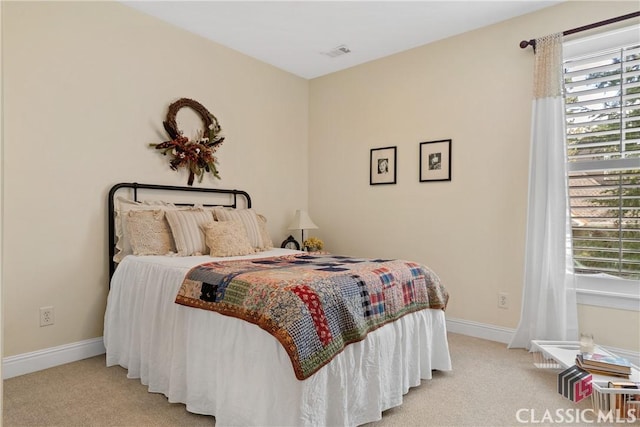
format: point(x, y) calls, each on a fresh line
point(235, 370)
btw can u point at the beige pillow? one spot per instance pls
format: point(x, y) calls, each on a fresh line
point(122, 206)
point(227, 238)
point(187, 232)
point(267, 243)
point(249, 219)
point(149, 232)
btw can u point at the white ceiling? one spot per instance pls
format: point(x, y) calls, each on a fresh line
point(292, 35)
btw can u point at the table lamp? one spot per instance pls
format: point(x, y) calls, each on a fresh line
point(301, 221)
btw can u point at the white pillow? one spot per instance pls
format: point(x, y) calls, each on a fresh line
point(187, 232)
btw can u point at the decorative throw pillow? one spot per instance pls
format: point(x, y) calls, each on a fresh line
point(187, 232)
point(122, 207)
point(249, 219)
point(267, 243)
point(227, 238)
point(149, 232)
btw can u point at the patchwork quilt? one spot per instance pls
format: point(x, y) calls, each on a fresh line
point(314, 304)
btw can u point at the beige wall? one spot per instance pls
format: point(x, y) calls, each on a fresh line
point(86, 88)
point(476, 89)
point(620, 329)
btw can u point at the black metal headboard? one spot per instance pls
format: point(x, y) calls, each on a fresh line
point(233, 197)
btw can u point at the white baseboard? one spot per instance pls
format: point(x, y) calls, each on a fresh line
point(27, 363)
point(480, 330)
point(503, 335)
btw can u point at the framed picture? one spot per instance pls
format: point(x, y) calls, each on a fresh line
point(435, 161)
point(382, 167)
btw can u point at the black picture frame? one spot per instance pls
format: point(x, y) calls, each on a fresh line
point(435, 160)
point(382, 166)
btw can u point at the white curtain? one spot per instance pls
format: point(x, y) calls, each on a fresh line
point(549, 310)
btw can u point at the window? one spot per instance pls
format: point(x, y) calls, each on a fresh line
point(602, 98)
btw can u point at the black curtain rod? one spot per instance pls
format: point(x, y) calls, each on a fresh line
point(532, 42)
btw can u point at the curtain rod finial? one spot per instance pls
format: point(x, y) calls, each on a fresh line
point(525, 43)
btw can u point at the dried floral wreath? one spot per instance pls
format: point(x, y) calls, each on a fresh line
point(196, 155)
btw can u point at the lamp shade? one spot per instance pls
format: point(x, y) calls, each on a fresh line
point(301, 221)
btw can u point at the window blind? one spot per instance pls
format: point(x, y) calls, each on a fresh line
point(602, 96)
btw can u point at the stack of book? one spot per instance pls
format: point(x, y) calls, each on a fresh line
point(604, 364)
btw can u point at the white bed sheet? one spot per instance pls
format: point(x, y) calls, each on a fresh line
point(231, 369)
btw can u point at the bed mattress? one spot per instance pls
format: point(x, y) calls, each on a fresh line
point(233, 370)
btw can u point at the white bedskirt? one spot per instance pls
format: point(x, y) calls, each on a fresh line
point(231, 369)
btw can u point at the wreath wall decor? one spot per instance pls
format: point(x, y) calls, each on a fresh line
point(196, 155)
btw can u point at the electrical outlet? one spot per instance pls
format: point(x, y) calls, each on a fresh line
point(46, 316)
point(503, 300)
